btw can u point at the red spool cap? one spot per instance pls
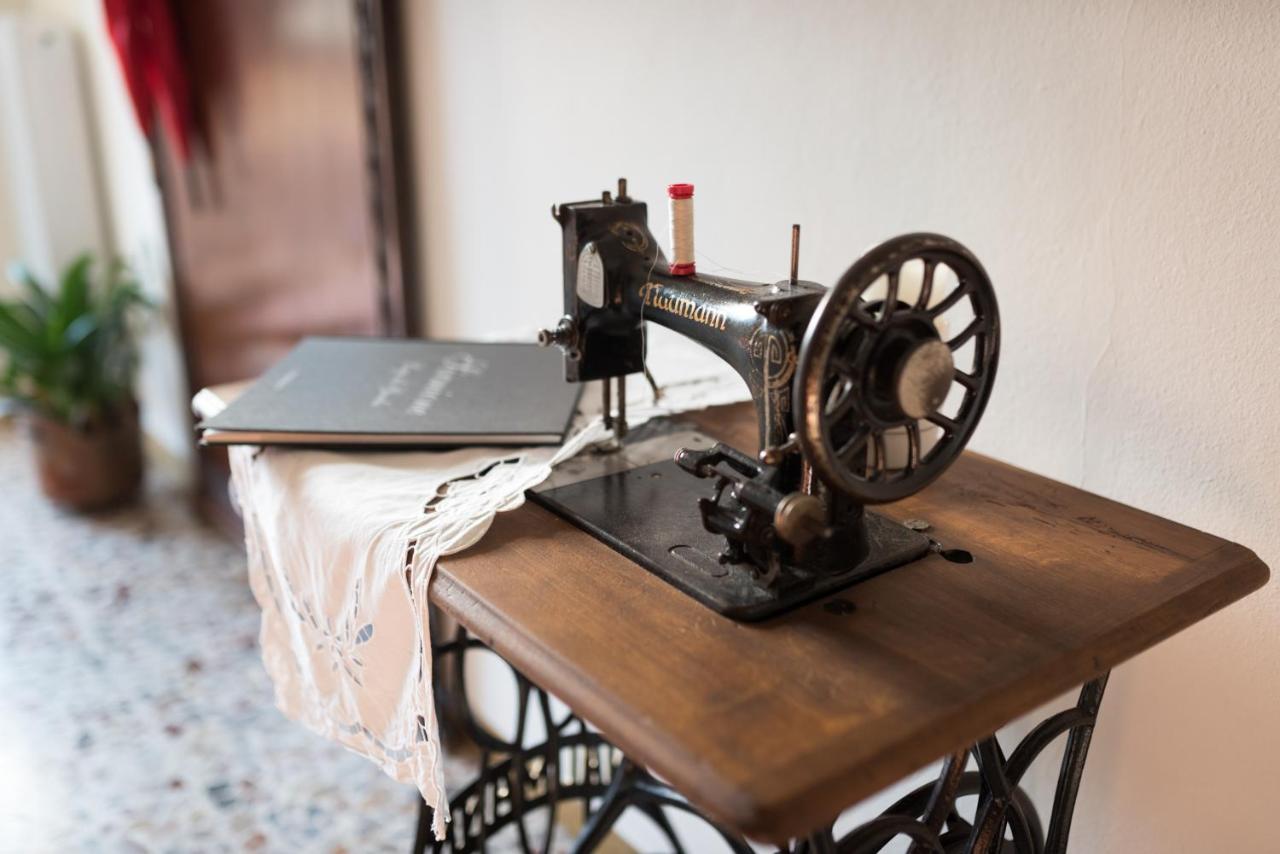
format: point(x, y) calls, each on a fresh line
point(680, 191)
point(681, 269)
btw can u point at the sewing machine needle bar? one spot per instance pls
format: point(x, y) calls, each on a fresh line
point(620, 420)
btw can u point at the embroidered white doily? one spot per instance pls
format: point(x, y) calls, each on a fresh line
point(341, 547)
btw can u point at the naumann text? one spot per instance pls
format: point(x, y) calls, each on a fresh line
point(654, 295)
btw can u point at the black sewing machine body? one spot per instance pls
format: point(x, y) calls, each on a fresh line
point(615, 273)
point(831, 374)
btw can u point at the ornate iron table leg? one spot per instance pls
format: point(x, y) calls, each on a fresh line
point(517, 781)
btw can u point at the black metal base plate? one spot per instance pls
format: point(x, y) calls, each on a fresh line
point(650, 514)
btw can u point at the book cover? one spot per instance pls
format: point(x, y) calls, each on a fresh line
point(405, 392)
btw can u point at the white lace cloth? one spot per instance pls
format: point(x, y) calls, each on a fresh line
point(341, 547)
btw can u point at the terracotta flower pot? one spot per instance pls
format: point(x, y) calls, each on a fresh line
point(93, 468)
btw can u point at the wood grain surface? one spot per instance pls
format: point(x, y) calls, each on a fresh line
point(775, 727)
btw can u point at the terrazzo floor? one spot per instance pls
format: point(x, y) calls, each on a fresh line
point(135, 715)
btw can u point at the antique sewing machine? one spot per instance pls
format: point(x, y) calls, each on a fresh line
point(864, 393)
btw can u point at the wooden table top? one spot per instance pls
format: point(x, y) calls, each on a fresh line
point(775, 727)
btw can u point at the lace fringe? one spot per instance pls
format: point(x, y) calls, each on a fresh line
point(449, 521)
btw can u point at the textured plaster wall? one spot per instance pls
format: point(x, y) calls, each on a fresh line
point(1114, 165)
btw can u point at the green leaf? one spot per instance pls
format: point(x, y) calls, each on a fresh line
point(73, 299)
point(15, 336)
point(71, 353)
point(79, 330)
point(38, 298)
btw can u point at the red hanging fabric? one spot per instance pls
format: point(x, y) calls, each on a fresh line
point(146, 43)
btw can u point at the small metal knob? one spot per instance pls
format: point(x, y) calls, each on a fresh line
point(564, 336)
point(800, 518)
point(775, 454)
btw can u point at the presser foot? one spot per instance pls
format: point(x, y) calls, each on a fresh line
point(644, 506)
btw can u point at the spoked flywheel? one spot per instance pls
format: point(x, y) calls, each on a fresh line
point(889, 390)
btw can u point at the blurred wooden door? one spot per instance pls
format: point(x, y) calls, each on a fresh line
point(284, 222)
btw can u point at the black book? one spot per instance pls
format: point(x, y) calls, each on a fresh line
point(404, 393)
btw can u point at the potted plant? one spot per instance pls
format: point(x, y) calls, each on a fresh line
point(68, 357)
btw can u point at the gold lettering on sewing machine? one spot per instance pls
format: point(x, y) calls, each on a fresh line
point(654, 295)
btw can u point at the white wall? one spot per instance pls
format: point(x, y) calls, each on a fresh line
point(48, 146)
point(1114, 165)
point(9, 238)
point(132, 207)
point(8, 230)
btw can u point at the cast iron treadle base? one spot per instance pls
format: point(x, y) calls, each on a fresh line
point(650, 514)
point(520, 781)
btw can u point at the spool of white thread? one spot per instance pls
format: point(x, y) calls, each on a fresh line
point(680, 208)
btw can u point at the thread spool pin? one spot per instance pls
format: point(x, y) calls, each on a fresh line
point(795, 255)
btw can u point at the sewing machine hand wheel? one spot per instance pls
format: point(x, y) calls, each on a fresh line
point(871, 370)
